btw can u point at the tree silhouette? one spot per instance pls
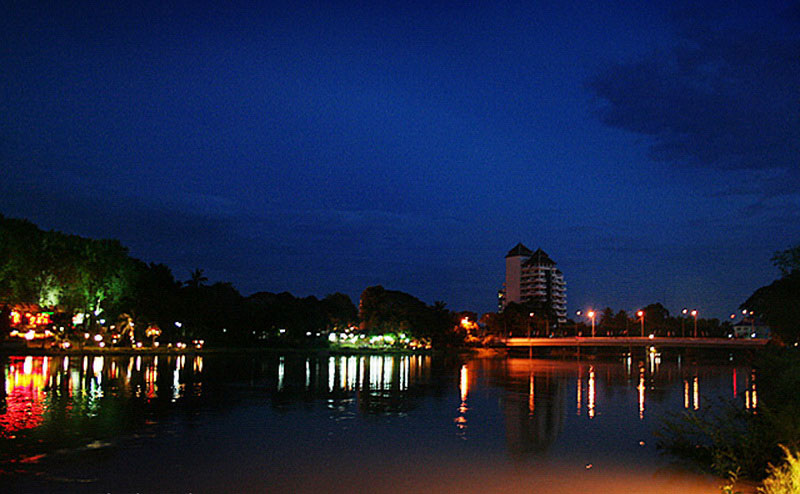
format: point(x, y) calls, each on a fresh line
point(196, 278)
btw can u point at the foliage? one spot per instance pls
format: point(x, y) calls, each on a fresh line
point(71, 274)
point(778, 304)
point(729, 486)
point(720, 438)
point(787, 260)
point(727, 438)
point(387, 311)
point(61, 271)
point(785, 477)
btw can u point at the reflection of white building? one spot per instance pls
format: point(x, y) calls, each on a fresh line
point(751, 327)
point(533, 277)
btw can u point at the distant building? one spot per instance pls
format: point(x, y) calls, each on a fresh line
point(750, 327)
point(533, 277)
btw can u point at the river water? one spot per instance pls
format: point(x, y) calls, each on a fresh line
point(354, 423)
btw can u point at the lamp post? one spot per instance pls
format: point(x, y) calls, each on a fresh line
point(530, 346)
point(683, 321)
point(577, 313)
point(591, 315)
point(694, 314)
point(641, 317)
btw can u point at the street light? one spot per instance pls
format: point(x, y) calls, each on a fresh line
point(591, 315)
point(641, 317)
point(530, 346)
point(683, 321)
point(694, 314)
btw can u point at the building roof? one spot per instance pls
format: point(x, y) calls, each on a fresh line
point(749, 321)
point(519, 250)
point(539, 258)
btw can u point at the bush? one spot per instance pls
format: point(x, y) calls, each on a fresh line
point(784, 478)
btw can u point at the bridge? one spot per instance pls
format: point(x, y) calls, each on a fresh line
point(635, 341)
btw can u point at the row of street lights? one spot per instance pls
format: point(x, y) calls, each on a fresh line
point(591, 315)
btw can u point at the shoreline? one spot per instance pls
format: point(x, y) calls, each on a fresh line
point(59, 352)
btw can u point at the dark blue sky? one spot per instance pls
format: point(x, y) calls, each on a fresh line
point(653, 150)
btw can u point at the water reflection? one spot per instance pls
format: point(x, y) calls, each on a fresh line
point(36, 388)
point(531, 407)
point(535, 388)
point(463, 386)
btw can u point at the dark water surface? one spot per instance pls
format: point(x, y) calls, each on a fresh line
point(374, 423)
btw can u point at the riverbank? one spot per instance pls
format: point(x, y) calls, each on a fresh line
point(208, 351)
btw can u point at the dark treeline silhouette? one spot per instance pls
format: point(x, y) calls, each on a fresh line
point(778, 304)
point(69, 274)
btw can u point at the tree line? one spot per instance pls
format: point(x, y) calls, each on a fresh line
point(70, 275)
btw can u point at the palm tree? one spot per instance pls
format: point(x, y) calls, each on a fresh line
point(196, 278)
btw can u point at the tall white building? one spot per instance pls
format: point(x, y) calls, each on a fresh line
point(532, 277)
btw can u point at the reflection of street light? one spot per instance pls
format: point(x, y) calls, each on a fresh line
point(641, 316)
point(591, 315)
point(694, 314)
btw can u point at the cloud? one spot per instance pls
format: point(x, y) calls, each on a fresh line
point(724, 97)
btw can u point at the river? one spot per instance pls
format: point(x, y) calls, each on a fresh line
point(354, 423)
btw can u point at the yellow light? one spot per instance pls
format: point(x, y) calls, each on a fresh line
point(640, 313)
point(685, 393)
point(30, 335)
point(591, 393)
point(641, 389)
point(464, 383)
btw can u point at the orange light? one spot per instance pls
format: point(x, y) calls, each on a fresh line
point(640, 313)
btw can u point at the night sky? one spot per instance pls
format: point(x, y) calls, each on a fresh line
point(652, 150)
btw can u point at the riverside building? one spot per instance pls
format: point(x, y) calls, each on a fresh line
point(532, 277)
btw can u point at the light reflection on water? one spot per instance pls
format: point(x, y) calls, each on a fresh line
point(518, 410)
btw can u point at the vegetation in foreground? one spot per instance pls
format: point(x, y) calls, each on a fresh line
point(763, 442)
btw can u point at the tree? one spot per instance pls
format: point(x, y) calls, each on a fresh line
point(196, 279)
point(607, 321)
point(622, 322)
point(787, 260)
point(387, 311)
point(656, 317)
point(339, 310)
point(778, 304)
